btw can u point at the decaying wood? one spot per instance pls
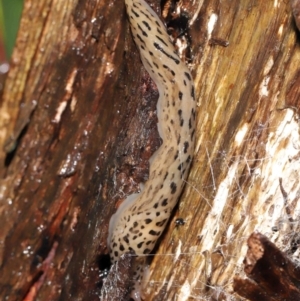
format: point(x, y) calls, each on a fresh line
point(118, 285)
point(271, 274)
point(73, 149)
point(78, 126)
point(245, 172)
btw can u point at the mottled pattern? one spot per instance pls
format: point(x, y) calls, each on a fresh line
point(141, 218)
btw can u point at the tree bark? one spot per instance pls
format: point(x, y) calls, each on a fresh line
point(78, 127)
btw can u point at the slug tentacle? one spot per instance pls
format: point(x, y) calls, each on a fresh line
point(142, 217)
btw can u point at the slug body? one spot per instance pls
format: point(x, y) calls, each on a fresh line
point(142, 217)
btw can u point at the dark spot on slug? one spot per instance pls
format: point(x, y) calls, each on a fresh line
point(186, 146)
point(140, 244)
point(180, 117)
point(187, 75)
point(158, 47)
point(135, 13)
point(159, 31)
point(159, 38)
point(164, 202)
point(192, 135)
point(194, 113)
point(139, 37)
point(160, 224)
point(147, 25)
point(173, 187)
point(133, 231)
point(193, 92)
point(146, 15)
point(170, 70)
point(154, 233)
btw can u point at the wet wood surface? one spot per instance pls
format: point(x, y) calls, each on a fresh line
point(78, 127)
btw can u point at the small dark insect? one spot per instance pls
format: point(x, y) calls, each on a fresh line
point(103, 274)
point(179, 222)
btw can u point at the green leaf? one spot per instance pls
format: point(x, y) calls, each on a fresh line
point(10, 14)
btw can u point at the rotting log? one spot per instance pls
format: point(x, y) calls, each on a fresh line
point(271, 274)
point(78, 127)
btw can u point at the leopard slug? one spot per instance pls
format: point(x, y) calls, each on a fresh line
point(142, 217)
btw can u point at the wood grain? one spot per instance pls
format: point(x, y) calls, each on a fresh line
point(86, 145)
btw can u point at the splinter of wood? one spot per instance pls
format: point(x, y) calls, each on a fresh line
point(272, 276)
